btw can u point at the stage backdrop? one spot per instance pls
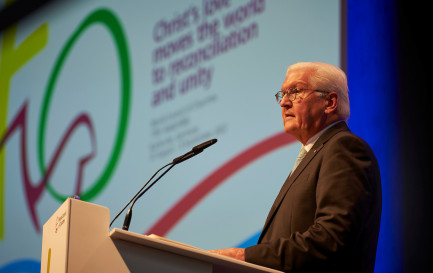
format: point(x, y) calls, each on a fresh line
point(96, 96)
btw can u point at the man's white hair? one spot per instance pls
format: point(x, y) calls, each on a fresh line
point(327, 77)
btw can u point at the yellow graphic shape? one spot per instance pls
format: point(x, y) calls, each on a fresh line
point(12, 59)
point(49, 260)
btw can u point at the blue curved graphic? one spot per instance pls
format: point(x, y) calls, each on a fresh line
point(22, 266)
point(249, 241)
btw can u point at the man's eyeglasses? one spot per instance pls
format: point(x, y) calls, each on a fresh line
point(292, 92)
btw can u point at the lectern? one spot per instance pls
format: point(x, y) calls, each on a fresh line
point(77, 238)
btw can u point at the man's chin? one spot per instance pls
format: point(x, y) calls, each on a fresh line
point(289, 129)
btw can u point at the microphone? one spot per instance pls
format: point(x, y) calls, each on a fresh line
point(199, 148)
point(194, 151)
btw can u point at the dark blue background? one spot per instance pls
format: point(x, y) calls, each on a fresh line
point(389, 59)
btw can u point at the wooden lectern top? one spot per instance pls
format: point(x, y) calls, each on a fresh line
point(77, 239)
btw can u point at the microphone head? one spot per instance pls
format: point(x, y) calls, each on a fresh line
point(195, 151)
point(199, 148)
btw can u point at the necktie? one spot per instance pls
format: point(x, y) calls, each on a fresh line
point(301, 156)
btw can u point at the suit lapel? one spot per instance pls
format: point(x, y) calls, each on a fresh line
point(304, 163)
point(286, 186)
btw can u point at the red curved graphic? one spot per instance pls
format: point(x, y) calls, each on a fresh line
point(34, 190)
point(203, 188)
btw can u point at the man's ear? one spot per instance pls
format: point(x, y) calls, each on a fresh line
point(331, 103)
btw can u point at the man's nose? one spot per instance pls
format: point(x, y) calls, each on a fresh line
point(285, 101)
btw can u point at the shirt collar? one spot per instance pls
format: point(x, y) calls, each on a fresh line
point(313, 140)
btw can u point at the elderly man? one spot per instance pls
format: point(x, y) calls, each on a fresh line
point(326, 217)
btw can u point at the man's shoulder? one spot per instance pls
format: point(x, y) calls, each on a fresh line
point(345, 140)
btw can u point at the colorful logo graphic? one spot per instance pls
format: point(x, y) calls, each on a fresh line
point(14, 58)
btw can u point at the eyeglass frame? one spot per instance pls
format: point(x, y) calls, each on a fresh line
point(294, 91)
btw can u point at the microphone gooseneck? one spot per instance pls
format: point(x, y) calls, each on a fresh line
point(194, 151)
point(128, 216)
point(132, 199)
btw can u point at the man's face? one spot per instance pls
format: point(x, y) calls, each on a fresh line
point(303, 117)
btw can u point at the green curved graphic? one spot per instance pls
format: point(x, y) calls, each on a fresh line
point(109, 20)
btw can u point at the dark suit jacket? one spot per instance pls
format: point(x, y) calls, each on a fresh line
point(326, 217)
